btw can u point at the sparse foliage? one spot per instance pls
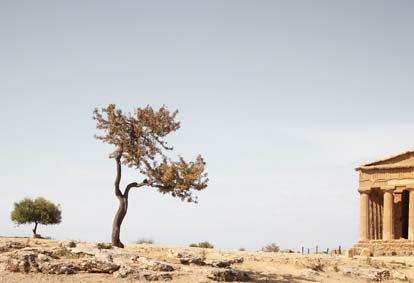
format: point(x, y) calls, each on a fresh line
point(271, 248)
point(104, 246)
point(64, 252)
point(38, 211)
point(145, 241)
point(204, 245)
point(139, 140)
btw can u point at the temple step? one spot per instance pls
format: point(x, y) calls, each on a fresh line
point(401, 247)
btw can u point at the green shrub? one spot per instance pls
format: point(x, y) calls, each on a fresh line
point(38, 211)
point(104, 246)
point(64, 253)
point(204, 245)
point(145, 241)
point(271, 248)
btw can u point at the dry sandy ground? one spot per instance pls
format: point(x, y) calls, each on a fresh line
point(262, 267)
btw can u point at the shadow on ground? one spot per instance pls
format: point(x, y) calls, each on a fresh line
point(278, 278)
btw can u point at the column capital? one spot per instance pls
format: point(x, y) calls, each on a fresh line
point(388, 188)
point(364, 191)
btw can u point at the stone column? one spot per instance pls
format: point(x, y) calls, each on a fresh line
point(388, 223)
point(411, 214)
point(375, 217)
point(364, 216)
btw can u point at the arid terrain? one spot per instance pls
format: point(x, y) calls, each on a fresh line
point(34, 260)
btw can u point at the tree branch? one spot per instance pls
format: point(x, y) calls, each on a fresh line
point(164, 144)
point(134, 185)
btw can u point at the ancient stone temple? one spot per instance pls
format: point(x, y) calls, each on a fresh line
point(386, 189)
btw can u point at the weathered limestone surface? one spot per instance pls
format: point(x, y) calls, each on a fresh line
point(386, 190)
point(386, 248)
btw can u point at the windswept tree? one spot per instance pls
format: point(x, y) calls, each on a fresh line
point(139, 140)
point(38, 211)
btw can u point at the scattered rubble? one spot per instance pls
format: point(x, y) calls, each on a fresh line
point(124, 271)
point(140, 264)
point(224, 263)
point(316, 264)
point(367, 273)
point(31, 261)
point(229, 275)
point(186, 258)
point(154, 265)
point(95, 265)
point(67, 244)
point(8, 246)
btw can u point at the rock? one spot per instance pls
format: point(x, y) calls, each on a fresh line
point(132, 273)
point(67, 244)
point(238, 260)
point(398, 275)
point(98, 266)
point(44, 258)
point(186, 258)
point(25, 261)
point(80, 253)
point(316, 264)
point(32, 261)
point(134, 258)
point(104, 257)
point(157, 277)
point(224, 263)
point(309, 273)
point(229, 275)
point(154, 265)
point(365, 252)
point(220, 263)
point(367, 273)
point(59, 268)
point(5, 247)
point(124, 271)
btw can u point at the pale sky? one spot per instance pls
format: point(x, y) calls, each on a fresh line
point(282, 98)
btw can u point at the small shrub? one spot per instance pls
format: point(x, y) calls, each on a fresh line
point(65, 253)
point(203, 245)
point(104, 246)
point(145, 241)
point(242, 250)
point(271, 248)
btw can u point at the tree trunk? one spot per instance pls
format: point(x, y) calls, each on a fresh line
point(35, 229)
point(123, 201)
point(119, 217)
point(123, 204)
